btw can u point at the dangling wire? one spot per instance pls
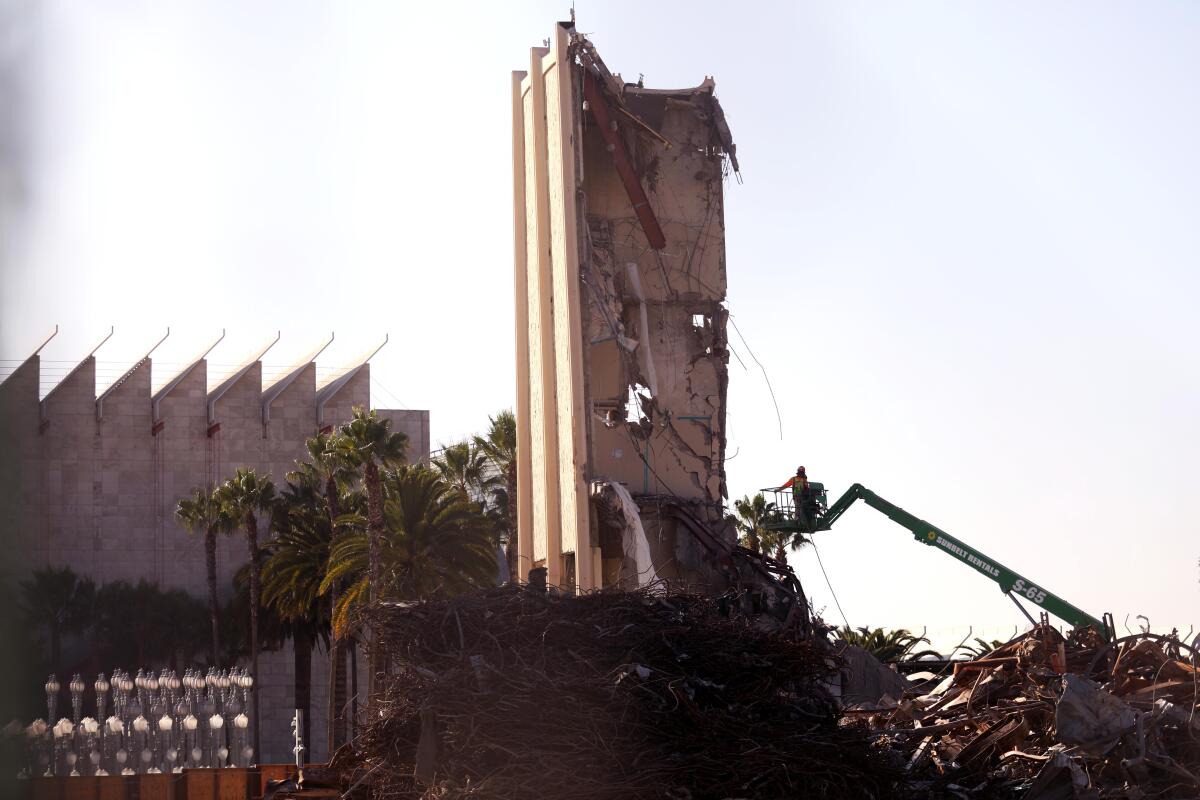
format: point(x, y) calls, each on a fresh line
point(830, 585)
point(778, 416)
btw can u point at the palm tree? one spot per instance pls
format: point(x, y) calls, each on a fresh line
point(292, 575)
point(203, 511)
point(466, 467)
point(244, 496)
point(368, 441)
point(436, 541)
point(61, 601)
point(981, 647)
point(754, 520)
point(499, 444)
point(753, 515)
point(440, 543)
point(887, 646)
point(329, 466)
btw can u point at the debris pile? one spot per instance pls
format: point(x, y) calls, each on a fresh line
point(1046, 717)
point(513, 693)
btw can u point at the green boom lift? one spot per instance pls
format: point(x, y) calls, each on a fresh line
point(807, 512)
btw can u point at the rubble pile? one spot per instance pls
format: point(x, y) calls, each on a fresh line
point(1046, 717)
point(512, 693)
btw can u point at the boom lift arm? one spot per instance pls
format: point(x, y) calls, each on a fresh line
point(1011, 583)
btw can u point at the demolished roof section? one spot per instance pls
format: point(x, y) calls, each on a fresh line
point(620, 285)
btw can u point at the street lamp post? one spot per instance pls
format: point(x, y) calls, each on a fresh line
point(52, 687)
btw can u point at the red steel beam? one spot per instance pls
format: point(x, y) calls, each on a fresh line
point(605, 121)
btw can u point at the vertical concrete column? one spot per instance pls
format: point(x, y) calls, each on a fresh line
point(543, 380)
point(571, 413)
point(524, 498)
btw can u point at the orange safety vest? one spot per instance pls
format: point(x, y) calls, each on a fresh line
point(797, 488)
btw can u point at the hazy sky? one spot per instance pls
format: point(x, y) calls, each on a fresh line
point(965, 248)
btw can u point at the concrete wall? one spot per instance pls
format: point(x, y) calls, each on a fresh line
point(127, 545)
point(620, 320)
point(354, 393)
point(94, 485)
point(183, 462)
point(69, 447)
point(414, 425)
point(290, 419)
point(22, 525)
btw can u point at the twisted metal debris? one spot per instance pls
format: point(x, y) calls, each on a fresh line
point(510, 693)
point(1046, 717)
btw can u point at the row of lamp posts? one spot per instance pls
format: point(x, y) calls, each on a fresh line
point(159, 723)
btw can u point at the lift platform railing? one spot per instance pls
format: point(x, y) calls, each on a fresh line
point(787, 516)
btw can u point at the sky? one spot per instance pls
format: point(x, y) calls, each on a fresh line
point(963, 249)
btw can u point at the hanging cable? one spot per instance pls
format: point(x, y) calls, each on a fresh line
point(830, 585)
point(778, 416)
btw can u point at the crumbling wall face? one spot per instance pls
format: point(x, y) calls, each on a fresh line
point(657, 354)
point(656, 317)
point(620, 284)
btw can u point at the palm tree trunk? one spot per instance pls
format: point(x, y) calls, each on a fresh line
point(302, 644)
point(331, 498)
point(255, 593)
point(336, 700)
point(374, 540)
point(210, 564)
point(374, 526)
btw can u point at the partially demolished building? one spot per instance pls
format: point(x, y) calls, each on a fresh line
point(620, 323)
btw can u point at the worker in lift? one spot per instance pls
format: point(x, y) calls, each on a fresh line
point(800, 495)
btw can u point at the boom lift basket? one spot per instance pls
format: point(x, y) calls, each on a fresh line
point(797, 517)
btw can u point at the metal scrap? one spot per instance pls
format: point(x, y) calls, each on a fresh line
point(1051, 717)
